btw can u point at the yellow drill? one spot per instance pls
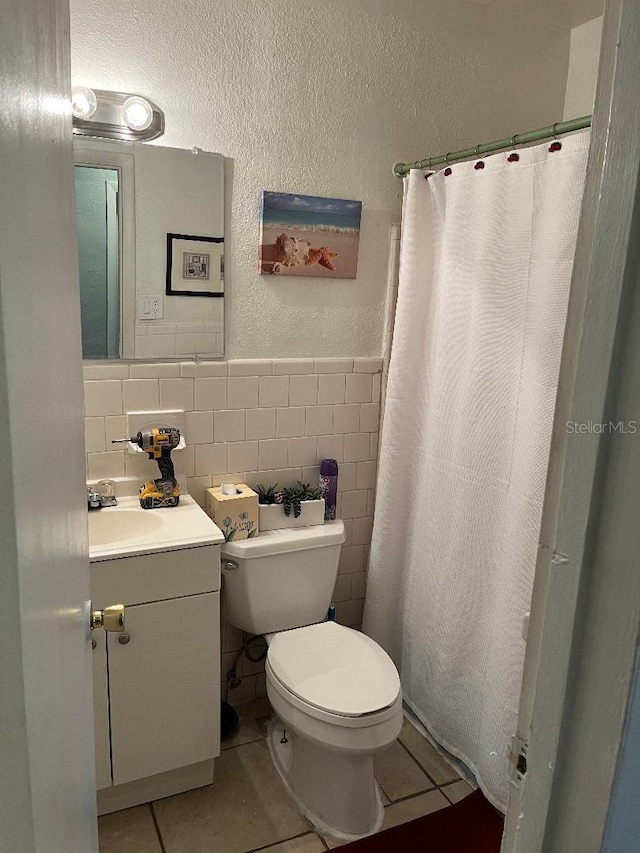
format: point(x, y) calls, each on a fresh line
point(158, 442)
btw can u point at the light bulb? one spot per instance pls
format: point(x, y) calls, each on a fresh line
point(83, 102)
point(137, 113)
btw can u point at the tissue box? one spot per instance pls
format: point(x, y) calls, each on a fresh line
point(236, 515)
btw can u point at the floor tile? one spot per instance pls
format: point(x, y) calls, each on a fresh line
point(246, 808)
point(398, 774)
point(303, 844)
point(457, 791)
point(128, 831)
point(412, 808)
point(427, 755)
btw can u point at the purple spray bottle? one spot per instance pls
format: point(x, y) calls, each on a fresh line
point(329, 486)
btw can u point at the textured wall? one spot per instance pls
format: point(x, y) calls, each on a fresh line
point(583, 69)
point(321, 98)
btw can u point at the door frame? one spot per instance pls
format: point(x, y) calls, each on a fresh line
point(585, 612)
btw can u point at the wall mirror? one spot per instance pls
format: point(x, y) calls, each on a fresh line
point(151, 250)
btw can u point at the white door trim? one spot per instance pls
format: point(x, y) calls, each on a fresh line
point(574, 694)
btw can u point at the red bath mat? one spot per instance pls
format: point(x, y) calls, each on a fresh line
point(470, 826)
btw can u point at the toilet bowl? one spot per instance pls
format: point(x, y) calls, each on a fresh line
point(335, 692)
point(338, 703)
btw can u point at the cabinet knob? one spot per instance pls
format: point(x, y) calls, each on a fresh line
point(123, 639)
point(111, 618)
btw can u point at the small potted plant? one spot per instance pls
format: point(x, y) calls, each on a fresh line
point(290, 506)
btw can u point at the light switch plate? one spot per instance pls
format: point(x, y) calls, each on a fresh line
point(150, 307)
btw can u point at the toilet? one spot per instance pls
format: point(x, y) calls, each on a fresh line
point(336, 692)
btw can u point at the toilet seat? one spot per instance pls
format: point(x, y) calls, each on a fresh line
point(334, 673)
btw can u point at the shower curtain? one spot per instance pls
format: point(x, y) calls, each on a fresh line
point(485, 269)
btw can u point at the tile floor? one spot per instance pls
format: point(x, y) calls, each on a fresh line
point(247, 809)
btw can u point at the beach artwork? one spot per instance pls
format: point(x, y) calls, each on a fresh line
point(309, 236)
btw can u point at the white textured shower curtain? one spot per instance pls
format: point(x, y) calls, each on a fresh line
point(485, 269)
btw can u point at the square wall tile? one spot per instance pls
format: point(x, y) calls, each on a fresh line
point(287, 476)
point(331, 388)
point(369, 417)
point(177, 394)
point(303, 451)
point(351, 559)
point(273, 453)
point(377, 388)
point(274, 391)
point(356, 447)
point(354, 504)
point(115, 426)
point(197, 487)
point(105, 371)
point(139, 395)
point(331, 447)
point(290, 421)
point(342, 589)
point(346, 418)
point(243, 456)
point(261, 423)
point(359, 388)
point(229, 425)
point(94, 436)
point(103, 398)
point(303, 390)
point(366, 475)
point(319, 420)
point(210, 459)
point(349, 613)
point(362, 530)
point(109, 464)
point(243, 392)
point(199, 427)
point(347, 476)
point(211, 393)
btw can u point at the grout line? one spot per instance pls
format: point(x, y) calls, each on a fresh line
point(155, 823)
point(412, 756)
point(412, 796)
point(325, 846)
point(283, 841)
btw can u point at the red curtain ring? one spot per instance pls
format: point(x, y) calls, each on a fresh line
point(513, 158)
point(448, 170)
point(555, 146)
point(479, 164)
point(428, 175)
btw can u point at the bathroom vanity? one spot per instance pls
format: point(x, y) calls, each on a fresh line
point(156, 684)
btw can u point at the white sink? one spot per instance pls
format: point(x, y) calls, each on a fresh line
point(106, 528)
point(127, 530)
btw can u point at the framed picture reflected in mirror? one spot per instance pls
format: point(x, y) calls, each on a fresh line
point(195, 265)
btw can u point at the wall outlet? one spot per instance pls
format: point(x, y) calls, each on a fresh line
point(150, 308)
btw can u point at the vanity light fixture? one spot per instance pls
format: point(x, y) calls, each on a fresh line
point(115, 115)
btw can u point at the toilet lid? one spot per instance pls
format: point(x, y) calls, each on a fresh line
point(334, 668)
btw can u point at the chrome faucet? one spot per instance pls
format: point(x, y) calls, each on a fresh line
point(101, 494)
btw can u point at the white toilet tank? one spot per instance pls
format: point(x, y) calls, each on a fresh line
point(284, 578)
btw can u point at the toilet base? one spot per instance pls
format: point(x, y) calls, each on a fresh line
point(336, 791)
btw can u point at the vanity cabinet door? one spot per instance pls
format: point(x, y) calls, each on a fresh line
point(101, 710)
point(164, 687)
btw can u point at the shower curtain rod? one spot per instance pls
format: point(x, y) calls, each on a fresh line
point(401, 169)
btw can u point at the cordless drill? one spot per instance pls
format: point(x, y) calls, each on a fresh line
point(158, 442)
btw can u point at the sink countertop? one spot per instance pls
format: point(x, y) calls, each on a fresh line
point(184, 526)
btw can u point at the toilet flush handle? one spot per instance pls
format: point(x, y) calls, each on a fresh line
point(229, 565)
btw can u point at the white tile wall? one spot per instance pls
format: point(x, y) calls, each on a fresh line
point(260, 421)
